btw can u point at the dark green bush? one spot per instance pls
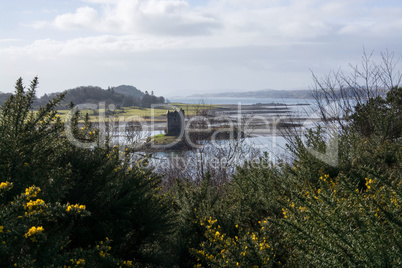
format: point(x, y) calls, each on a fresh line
point(123, 199)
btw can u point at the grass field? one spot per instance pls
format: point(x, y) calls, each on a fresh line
point(163, 139)
point(131, 113)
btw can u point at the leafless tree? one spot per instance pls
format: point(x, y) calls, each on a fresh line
point(338, 93)
point(336, 96)
point(134, 132)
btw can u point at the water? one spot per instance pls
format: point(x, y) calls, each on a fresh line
point(273, 142)
point(295, 107)
point(258, 142)
point(244, 101)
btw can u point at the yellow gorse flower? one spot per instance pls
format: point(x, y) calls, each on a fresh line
point(128, 263)
point(31, 192)
point(32, 204)
point(80, 261)
point(33, 231)
point(4, 185)
point(75, 207)
point(368, 182)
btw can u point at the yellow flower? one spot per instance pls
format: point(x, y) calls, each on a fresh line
point(6, 184)
point(33, 231)
point(284, 213)
point(302, 209)
point(31, 192)
point(128, 263)
point(76, 207)
point(32, 204)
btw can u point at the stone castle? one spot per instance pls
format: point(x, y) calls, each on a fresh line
point(175, 122)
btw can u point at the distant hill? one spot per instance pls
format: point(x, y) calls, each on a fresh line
point(265, 93)
point(91, 94)
point(128, 91)
point(121, 96)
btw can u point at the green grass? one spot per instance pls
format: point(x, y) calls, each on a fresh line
point(193, 109)
point(130, 113)
point(161, 139)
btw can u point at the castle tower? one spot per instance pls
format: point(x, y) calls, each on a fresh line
point(175, 122)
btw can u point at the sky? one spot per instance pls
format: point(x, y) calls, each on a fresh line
point(185, 47)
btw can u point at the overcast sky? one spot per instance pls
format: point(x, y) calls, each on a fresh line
point(183, 47)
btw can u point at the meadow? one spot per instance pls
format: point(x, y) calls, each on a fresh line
point(158, 114)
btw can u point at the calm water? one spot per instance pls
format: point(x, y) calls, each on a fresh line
point(240, 100)
point(297, 107)
point(274, 145)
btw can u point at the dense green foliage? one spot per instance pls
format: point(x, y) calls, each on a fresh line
point(122, 200)
point(308, 212)
point(65, 205)
point(128, 91)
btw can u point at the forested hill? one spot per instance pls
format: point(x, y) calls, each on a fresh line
point(121, 96)
point(128, 91)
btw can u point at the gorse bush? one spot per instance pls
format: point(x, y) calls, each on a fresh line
point(123, 200)
point(311, 213)
point(28, 141)
point(244, 247)
point(34, 231)
point(315, 213)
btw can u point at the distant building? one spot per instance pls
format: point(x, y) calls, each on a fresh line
point(175, 122)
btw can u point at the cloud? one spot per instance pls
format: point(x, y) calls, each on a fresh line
point(174, 17)
point(169, 17)
point(262, 21)
point(89, 47)
point(84, 17)
point(221, 43)
point(379, 23)
point(130, 26)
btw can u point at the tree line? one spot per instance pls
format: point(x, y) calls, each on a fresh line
point(121, 96)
